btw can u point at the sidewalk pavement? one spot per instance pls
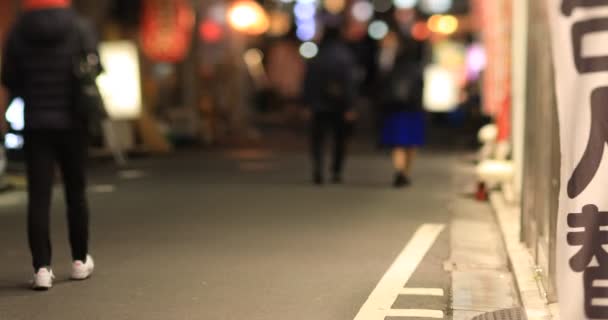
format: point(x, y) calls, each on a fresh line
point(482, 282)
point(492, 269)
point(530, 288)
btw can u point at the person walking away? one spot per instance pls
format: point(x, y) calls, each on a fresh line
point(329, 91)
point(404, 120)
point(39, 65)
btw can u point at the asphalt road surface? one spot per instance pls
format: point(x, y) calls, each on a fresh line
point(243, 234)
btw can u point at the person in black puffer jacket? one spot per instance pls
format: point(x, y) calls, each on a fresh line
point(38, 64)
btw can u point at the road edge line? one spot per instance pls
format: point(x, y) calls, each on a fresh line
point(388, 289)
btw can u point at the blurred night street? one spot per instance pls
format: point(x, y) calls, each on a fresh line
point(303, 159)
point(238, 234)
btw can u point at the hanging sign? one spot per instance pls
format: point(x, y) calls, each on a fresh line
point(167, 29)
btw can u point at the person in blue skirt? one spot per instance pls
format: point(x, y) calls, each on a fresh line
point(403, 128)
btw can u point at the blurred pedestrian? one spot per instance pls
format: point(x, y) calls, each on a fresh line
point(41, 54)
point(330, 90)
point(403, 127)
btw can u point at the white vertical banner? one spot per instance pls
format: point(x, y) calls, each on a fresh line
point(579, 32)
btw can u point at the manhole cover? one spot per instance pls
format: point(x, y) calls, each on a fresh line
point(507, 314)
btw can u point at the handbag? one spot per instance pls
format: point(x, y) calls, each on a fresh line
point(88, 101)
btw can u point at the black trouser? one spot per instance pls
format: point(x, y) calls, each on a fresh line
point(322, 124)
point(44, 149)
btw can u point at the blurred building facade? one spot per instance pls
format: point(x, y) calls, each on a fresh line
point(528, 129)
point(209, 69)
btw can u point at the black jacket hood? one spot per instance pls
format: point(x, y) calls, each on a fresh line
point(46, 27)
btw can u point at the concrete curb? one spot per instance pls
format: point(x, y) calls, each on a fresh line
point(482, 283)
point(522, 263)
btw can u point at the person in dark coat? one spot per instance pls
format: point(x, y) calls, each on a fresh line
point(329, 91)
point(404, 127)
point(38, 65)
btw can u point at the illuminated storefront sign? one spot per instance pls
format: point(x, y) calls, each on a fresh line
point(120, 83)
point(440, 89)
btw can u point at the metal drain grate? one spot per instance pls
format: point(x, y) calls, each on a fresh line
point(507, 314)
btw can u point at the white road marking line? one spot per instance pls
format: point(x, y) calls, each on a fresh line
point(436, 292)
point(102, 188)
point(131, 174)
point(380, 301)
point(12, 198)
point(415, 313)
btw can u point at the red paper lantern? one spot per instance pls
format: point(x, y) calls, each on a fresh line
point(166, 29)
point(210, 31)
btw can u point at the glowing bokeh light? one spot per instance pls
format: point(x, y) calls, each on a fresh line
point(405, 4)
point(280, 23)
point(304, 11)
point(363, 11)
point(441, 89)
point(435, 6)
point(210, 31)
point(15, 114)
point(476, 61)
point(420, 31)
point(334, 6)
point(378, 30)
point(306, 31)
point(13, 141)
point(309, 50)
point(120, 83)
point(444, 24)
point(248, 17)
point(253, 57)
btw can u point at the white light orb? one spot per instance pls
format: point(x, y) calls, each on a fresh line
point(436, 6)
point(405, 4)
point(363, 11)
point(378, 30)
point(309, 50)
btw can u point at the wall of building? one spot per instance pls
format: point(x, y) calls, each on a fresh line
point(540, 189)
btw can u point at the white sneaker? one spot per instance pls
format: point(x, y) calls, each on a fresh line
point(43, 279)
point(83, 270)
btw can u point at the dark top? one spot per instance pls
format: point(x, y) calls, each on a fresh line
point(38, 65)
point(403, 87)
point(330, 84)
